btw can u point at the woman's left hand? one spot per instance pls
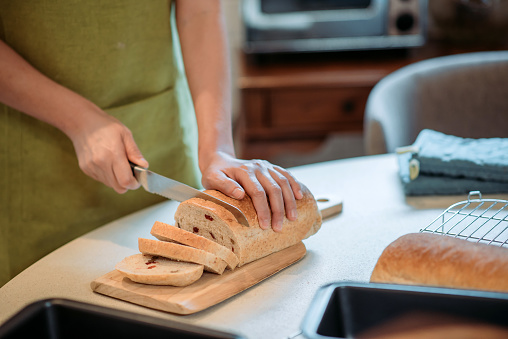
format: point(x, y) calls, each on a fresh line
point(273, 189)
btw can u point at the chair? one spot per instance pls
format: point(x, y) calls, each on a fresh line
point(464, 95)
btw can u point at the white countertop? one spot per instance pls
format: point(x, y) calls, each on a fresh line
point(346, 248)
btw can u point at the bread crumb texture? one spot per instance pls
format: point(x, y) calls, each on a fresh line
point(155, 270)
point(174, 251)
point(166, 232)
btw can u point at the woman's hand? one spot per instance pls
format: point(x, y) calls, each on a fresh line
point(273, 190)
point(104, 147)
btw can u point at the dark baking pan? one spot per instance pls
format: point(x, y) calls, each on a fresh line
point(355, 310)
point(63, 318)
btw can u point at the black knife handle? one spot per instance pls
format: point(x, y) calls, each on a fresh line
point(132, 167)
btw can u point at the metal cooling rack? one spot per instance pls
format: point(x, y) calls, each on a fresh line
point(478, 220)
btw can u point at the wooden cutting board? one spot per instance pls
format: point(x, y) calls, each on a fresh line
point(211, 288)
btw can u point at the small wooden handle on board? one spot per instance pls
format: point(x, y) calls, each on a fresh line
point(329, 205)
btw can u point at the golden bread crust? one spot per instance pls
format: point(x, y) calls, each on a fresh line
point(437, 260)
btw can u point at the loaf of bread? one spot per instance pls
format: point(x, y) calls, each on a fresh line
point(167, 232)
point(211, 262)
point(152, 270)
point(215, 223)
point(444, 261)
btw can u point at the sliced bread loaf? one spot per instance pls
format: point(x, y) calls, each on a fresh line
point(167, 232)
point(215, 223)
point(179, 252)
point(148, 269)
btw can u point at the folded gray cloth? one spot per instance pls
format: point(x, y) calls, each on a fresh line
point(444, 164)
point(448, 155)
point(444, 185)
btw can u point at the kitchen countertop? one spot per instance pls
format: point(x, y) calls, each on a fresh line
point(375, 213)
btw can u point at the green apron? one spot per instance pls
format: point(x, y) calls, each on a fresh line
point(124, 56)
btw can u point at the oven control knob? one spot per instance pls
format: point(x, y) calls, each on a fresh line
point(405, 22)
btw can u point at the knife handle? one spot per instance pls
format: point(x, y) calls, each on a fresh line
point(133, 166)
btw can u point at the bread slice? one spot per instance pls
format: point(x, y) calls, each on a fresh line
point(167, 232)
point(211, 262)
point(215, 223)
point(152, 270)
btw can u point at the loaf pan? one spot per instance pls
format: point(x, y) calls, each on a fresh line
point(352, 310)
point(63, 318)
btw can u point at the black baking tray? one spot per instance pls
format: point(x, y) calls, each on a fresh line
point(348, 310)
point(64, 318)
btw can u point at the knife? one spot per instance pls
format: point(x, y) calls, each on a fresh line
point(172, 189)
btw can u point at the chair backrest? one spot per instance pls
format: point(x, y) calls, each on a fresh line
point(464, 95)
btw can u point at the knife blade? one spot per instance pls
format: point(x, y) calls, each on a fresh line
point(172, 189)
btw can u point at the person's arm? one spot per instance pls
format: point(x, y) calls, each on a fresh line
point(103, 145)
point(203, 40)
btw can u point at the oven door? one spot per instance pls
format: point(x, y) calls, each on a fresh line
point(325, 25)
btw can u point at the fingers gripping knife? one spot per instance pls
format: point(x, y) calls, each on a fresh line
point(172, 189)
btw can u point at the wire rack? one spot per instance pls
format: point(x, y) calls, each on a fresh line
point(476, 219)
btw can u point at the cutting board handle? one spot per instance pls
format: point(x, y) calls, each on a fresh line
point(329, 205)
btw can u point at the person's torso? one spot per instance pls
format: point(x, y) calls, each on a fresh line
point(119, 54)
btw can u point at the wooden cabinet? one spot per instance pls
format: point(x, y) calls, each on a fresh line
point(293, 103)
point(299, 113)
point(320, 110)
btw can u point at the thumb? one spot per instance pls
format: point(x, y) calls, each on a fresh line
point(132, 151)
point(226, 185)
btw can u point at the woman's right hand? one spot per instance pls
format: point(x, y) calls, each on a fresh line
point(104, 147)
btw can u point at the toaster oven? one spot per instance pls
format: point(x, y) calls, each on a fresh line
point(275, 26)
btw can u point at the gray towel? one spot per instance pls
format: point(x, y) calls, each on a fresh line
point(448, 155)
point(454, 165)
